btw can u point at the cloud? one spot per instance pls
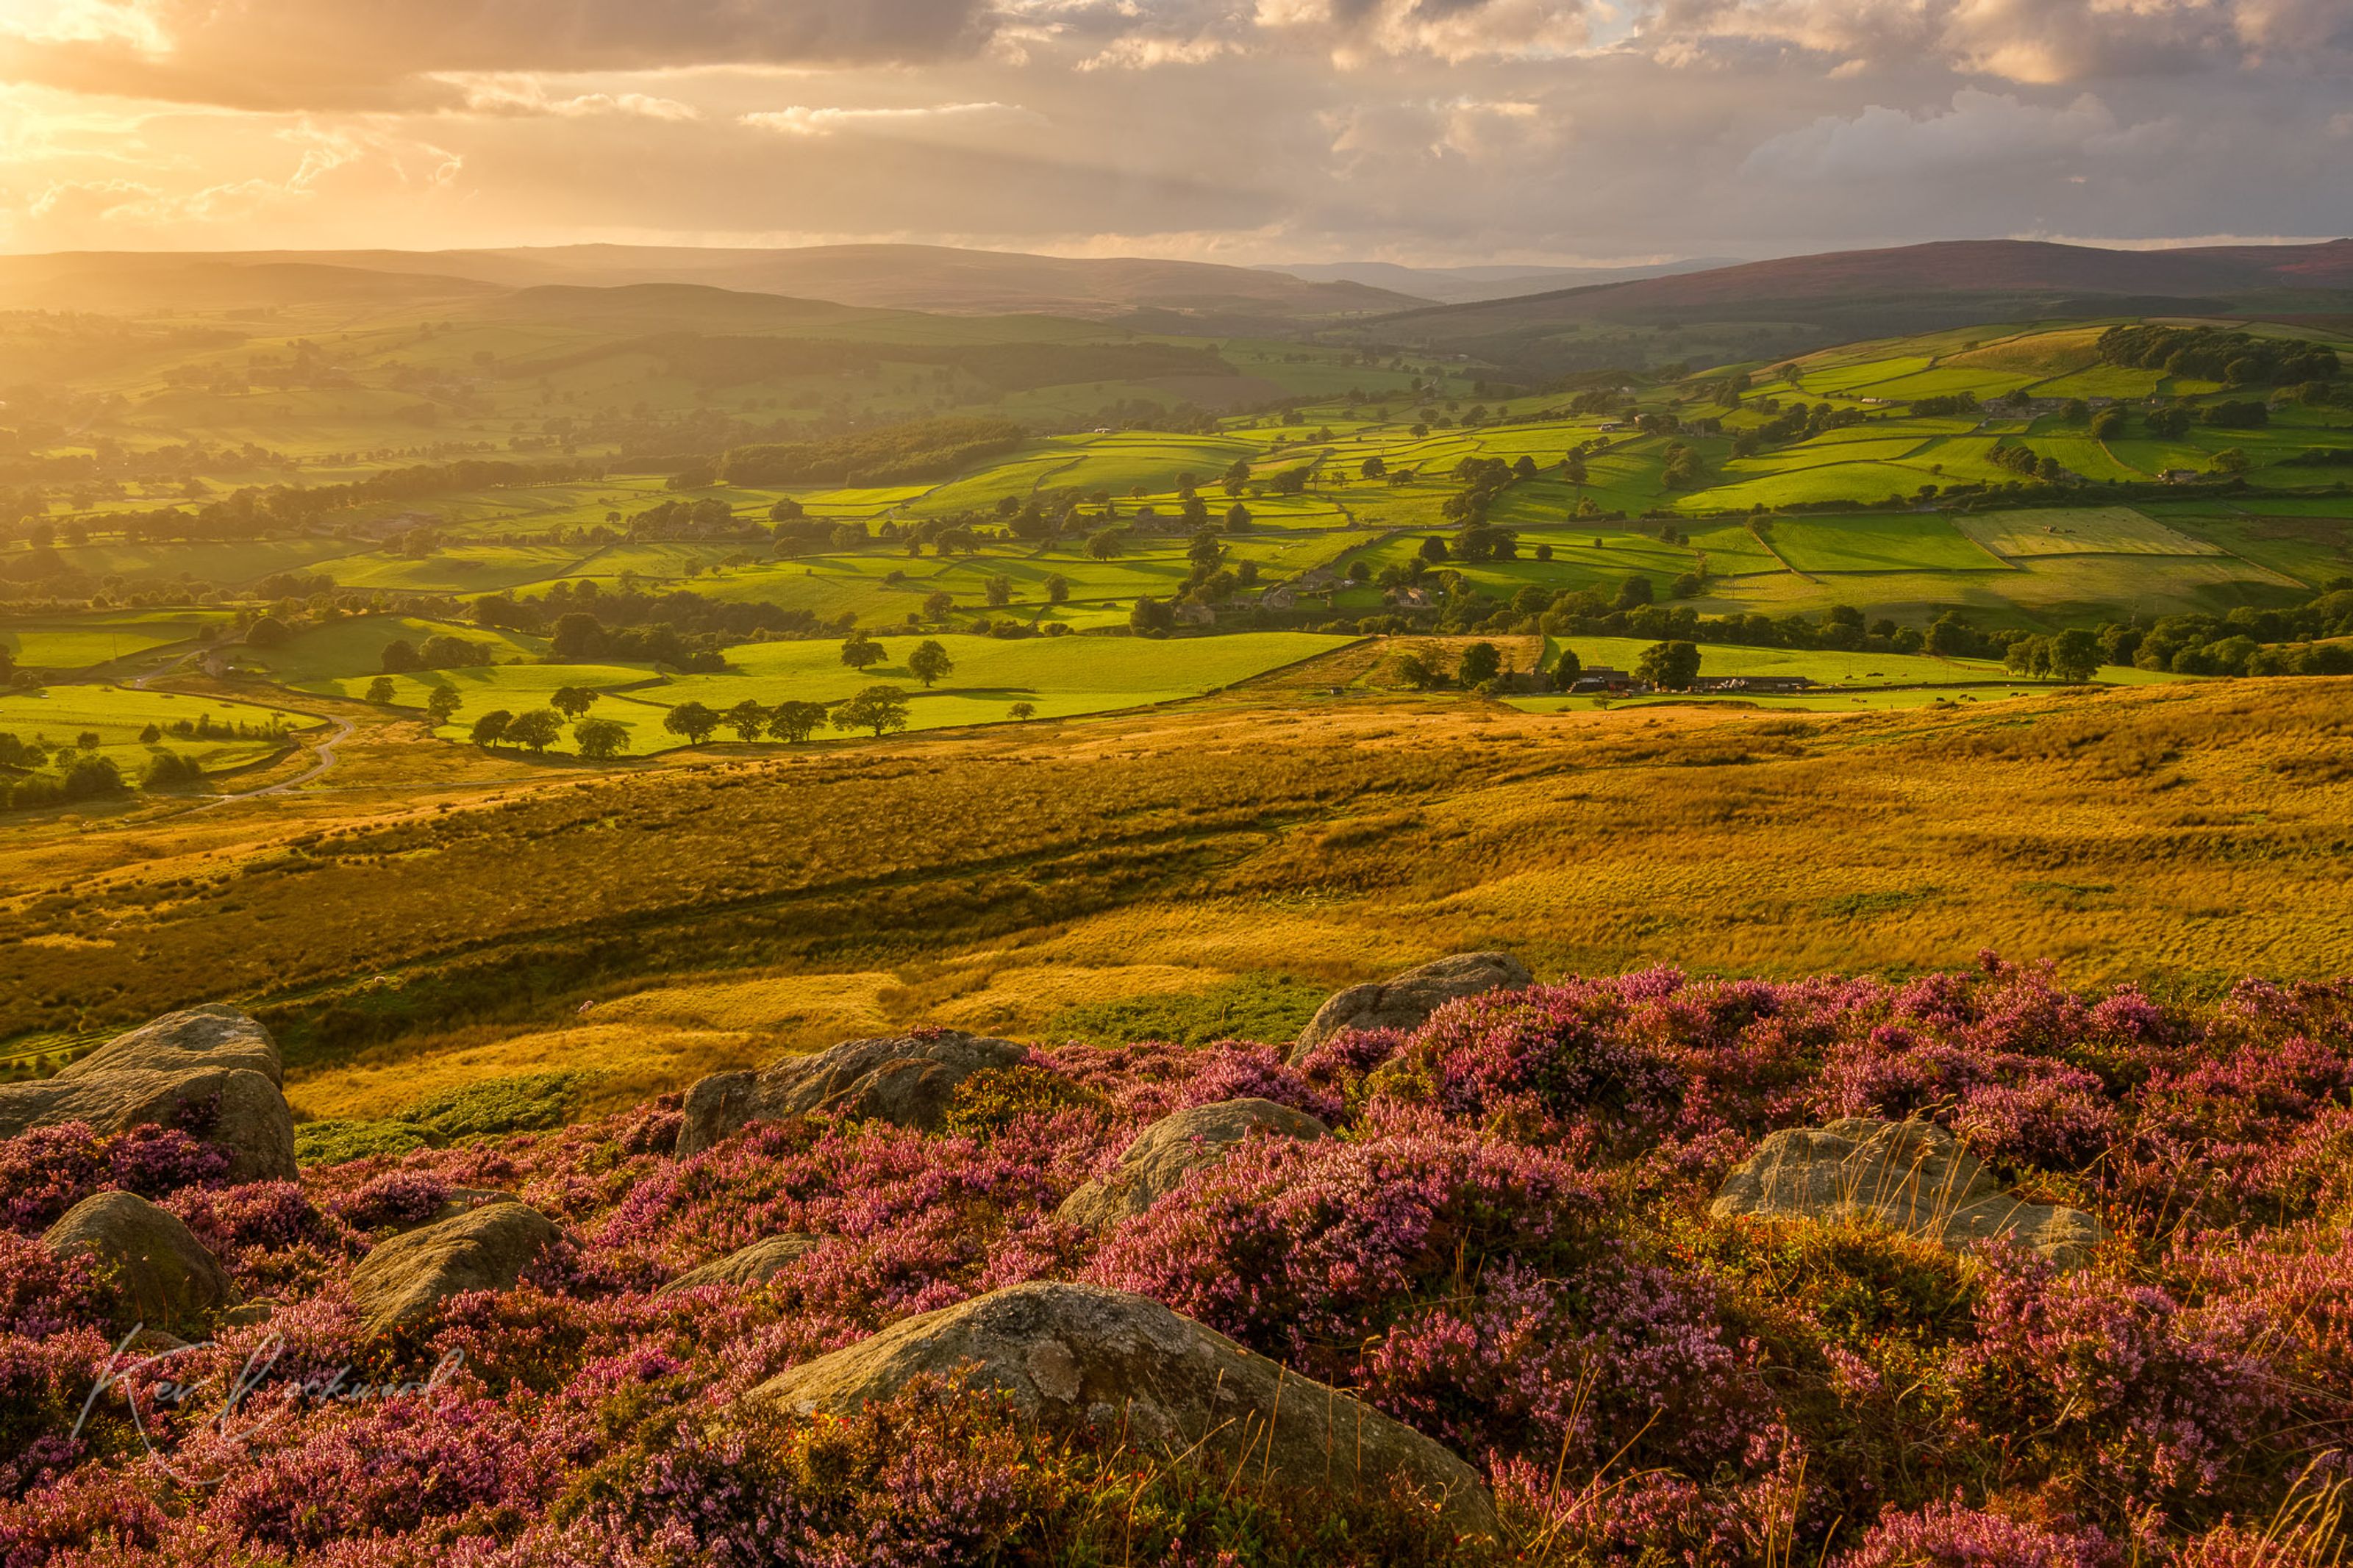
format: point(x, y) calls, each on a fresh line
point(819, 122)
point(507, 94)
point(387, 53)
point(1981, 132)
point(1455, 31)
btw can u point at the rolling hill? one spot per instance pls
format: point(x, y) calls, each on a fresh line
point(1793, 304)
point(904, 277)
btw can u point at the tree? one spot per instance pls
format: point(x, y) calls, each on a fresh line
point(537, 729)
point(1237, 519)
point(266, 632)
point(999, 591)
point(878, 708)
point(793, 723)
point(577, 639)
point(442, 704)
point(492, 727)
point(936, 606)
point(1634, 592)
point(1152, 617)
point(601, 740)
point(1566, 669)
point(747, 718)
point(929, 662)
point(1023, 710)
point(1103, 546)
point(692, 720)
point(1418, 672)
point(1482, 661)
point(380, 690)
point(400, 657)
point(1572, 467)
point(859, 651)
point(1372, 467)
point(2230, 460)
point(1669, 666)
point(572, 701)
point(1433, 550)
point(1058, 589)
point(2075, 656)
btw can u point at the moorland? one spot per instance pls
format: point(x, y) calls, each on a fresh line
point(528, 685)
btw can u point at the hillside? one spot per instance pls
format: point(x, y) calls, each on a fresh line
point(1463, 285)
point(904, 277)
point(1795, 304)
point(1096, 1215)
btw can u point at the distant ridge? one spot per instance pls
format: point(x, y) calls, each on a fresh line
point(1794, 303)
point(1467, 285)
point(901, 277)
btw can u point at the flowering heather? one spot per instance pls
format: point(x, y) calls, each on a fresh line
point(1505, 1244)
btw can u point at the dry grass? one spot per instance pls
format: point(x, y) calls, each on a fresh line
point(719, 913)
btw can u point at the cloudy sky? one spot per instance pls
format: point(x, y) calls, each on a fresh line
point(1417, 130)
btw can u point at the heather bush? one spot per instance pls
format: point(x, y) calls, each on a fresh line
point(1506, 1244)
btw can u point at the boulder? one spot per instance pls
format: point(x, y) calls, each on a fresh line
point(161, 1275)
point(749, 1264)
point(214, 1060)
point(907, 1080)
point(1131, 1371)
point(1406, 1001)
point(405, 1277)
point(1911, 1176)
point(1161, 1154)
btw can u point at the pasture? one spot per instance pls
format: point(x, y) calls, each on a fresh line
point(55, 716)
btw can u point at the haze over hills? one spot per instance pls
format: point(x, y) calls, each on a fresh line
point(1796, 303)
point(905, 276)
point(1467, 285)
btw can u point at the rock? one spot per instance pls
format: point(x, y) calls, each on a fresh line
point(214, 1058)
point(162, 1276)
point(1911, 1176)
point(487, 1249)
point(906, 1079)
point(749, 1264)
point(463, 1201)
point(1135, 1372)
point(1406, 1001)
point(1161, 1154)
point(184, 1042)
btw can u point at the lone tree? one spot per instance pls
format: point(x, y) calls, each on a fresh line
point(937, 605)
point(1152, 617)
point(1023, 710)
point(793, 723)
point(1418, 672)
point(1566, 669)
point(443, 704)
point(492, 727)
point(747, 718)
point(859, 651)
point(537, 729)
point(999, 591)
point(930, 661)
point(1670, 665)
point(601, 740)
point(881, 709)
point(1103, 545)
point(380, 690)
point(1572, 467)
point(692, 720)
point(1058, 589)
point(1482, 661)
point(572, 701)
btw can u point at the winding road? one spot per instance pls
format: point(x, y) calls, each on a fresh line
point(325, 754)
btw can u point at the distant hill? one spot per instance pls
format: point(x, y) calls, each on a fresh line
point(1802, 302)
point(1466, 285)
point(904, 277)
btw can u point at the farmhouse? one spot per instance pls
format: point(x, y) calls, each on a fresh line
point(2178, 476)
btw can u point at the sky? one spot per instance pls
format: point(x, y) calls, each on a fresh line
point(1429, 131)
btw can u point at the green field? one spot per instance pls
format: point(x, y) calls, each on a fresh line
point(59, 715)
point(80, 642)
point(2101, 531)
point(1919, 543)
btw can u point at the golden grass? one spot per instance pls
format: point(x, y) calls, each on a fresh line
point(720, 913)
